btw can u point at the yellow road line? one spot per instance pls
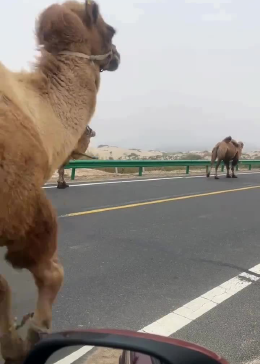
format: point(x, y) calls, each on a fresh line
point(120, 207)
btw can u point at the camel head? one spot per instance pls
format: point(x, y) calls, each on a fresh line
point(78, 29)
point(240, 148)
point(83, 143)
point(90, 132)
point(240, 145)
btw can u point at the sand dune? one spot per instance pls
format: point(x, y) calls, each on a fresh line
point(106, 152)
point(111, 152)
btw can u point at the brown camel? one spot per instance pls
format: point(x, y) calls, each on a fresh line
point(227, 150)
point(77, 153)
point(42, 116)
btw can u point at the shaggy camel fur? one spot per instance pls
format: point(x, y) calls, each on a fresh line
point(42, 116)
point(227, 150)
point(77, 153)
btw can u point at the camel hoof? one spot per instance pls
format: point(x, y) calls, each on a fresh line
point(234, 176)
point(34, 335)
point(62, 185)
point(228, 176)
point(12, 348)
point(216, 177)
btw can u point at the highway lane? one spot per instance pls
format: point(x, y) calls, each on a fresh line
point(169, 254)
point(162, 255)
point(96, 195)
point(127, 268)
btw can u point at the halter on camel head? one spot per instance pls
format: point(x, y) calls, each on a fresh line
point(92, 58)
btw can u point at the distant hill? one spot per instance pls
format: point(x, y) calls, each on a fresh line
point(112, 152)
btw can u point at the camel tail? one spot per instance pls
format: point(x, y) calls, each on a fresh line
point(214, 155)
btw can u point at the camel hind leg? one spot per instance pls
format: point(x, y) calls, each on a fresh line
point(210, 168)
point(36, 251)
point(216, 168)
point(228, 168)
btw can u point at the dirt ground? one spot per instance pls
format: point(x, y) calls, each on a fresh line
point(102, 356)
point(95, 175)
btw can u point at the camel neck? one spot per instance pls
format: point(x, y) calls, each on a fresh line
point(71, 91)
point(75, 88)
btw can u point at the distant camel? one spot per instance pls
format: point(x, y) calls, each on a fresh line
point(77, 153)
point(43, 114)
point(226, 151)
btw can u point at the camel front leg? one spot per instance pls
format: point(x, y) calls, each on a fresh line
point(12, 346)
point(34, 249)
point(48, 277)
point(61, 180)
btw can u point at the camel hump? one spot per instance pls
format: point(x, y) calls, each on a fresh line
point(227, 139)
point(234, 143)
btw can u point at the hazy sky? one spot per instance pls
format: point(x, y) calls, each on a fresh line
point(190, 72)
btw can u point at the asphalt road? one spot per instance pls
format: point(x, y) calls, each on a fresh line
point(127, 268)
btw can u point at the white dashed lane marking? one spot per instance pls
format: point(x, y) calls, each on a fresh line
point(176, 320)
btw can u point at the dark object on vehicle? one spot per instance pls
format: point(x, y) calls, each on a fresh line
point(137, 348)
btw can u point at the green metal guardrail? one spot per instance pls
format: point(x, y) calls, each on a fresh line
point(74, 164)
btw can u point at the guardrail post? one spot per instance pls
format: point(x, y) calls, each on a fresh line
point(187, 169)
point(116, 170)
point(72, 177)
point(249, 167)
point(237, 167)
point(140, 171)
point(222, 168)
